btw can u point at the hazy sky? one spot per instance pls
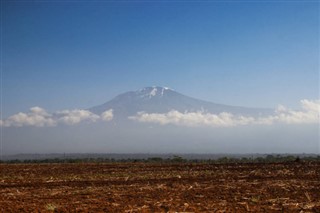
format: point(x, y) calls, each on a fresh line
point(60, 55)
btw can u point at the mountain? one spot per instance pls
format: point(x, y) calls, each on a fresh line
point(171, 133)
point(162, 100)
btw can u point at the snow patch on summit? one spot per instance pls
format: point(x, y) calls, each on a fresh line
point(153, 92)
point(164, 89)
point(149, 92)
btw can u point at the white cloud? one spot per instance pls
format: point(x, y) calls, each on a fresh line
point(223, 119)
point(107, 115)
point(36, 117)
point(40, 118)
point(308, 114)
point(76, 116)
point(39, 111)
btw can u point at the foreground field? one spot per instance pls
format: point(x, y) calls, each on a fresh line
point(145, 187)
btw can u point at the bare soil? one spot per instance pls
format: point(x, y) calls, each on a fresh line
point(146, 187)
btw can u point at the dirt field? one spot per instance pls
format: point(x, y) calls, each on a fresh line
point(140, 187)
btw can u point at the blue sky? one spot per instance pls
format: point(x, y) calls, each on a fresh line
point(59, 55)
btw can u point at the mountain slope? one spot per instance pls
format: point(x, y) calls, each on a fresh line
point(162, 100)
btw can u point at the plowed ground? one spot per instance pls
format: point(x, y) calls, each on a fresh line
point(146, 187)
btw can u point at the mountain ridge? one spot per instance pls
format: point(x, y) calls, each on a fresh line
point(158, 99)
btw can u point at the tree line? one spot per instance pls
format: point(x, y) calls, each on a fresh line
point(174, 159)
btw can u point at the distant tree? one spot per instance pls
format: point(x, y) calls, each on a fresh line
point(155, 159)
point(178, 159)
point(270, 159)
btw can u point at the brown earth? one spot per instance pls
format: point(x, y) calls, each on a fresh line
point(146, 187)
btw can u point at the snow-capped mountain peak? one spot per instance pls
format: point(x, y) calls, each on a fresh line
point(157, 99)
point(149, 92)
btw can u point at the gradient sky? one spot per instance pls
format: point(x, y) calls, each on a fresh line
point(62, 55)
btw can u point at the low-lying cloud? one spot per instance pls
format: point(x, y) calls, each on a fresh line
point(35, 117)
point(223, 119)
point(307, 115)
point(41, 118)
point(72, 117)
point(107, 115)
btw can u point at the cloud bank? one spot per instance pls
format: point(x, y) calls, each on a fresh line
point(72, 117)
point(309, 114)
point(223, 119)
point(41, 118)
